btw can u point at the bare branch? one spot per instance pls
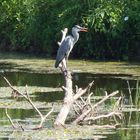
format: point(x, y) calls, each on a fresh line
point(64, 32)
point(83, 101)
point(78, 105)
point(103, 116)
point(117, 104)
point(43, 119)
point(82, 92)
point(9, 118)
point(20, 126)
point(64, 89)
point(82, 116)
point(26, 96)
point(75, 109)
point(89, 98)
point(76, 88)
point(105, 98)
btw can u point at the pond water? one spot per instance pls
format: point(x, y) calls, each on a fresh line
point(128, 130)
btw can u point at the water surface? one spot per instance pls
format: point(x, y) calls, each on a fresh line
point(130, 125)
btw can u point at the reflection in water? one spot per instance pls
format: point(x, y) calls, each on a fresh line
point(130, 125)
point(15, 114)
point(48, 96)
point(32, 79)
point(106, 82)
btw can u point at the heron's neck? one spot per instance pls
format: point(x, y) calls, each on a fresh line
point(75, 36)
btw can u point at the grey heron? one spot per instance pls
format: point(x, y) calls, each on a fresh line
point(67, 46)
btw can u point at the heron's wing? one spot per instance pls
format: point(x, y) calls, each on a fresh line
point(63, 50)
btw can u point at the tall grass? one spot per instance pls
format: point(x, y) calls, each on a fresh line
point(137, 98)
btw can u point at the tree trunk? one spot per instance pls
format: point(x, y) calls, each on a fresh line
point(68, 101)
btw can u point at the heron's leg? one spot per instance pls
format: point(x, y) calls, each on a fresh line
point(67, 63)
point(64, 66)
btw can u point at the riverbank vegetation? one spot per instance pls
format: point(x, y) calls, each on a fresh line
point(34, 26)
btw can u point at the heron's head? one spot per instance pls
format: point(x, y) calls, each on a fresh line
point(78, 28)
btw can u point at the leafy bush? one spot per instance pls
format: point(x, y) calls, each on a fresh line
point(34, 25)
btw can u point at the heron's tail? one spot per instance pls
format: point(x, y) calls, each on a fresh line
point(56, 64)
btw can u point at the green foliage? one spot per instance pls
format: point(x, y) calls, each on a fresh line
point(34, 25)
point(14, 21)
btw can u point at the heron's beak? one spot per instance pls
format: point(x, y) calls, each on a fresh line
point(83, 29)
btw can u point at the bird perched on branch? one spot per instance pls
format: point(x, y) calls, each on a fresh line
point(66, 46)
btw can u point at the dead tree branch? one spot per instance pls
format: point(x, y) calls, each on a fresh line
point(15, 126)
point(83, 91)
point(103, 116)
point(26, 96)
point(105, 98)
point(84, 116)
point(116, 106)
point(9, 118)
point(64, 32)
point(69, 100)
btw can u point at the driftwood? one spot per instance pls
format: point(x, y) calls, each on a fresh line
point(82, 107)
point(88, 115)
point(26, 96)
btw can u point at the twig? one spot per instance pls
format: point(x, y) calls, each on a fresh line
point(43, 119)
point(83, 101)
point(82, 92)
point(117, 103)
point(75, 109)
point(89, 98)
point(116, 108)
point(76, 88)
point(18, 126)
point(103, 116)
point(105, 98)
point(9, 118)
point(82, 116)
point(78, 105)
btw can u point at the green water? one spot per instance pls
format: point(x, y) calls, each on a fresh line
point(21, 112)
